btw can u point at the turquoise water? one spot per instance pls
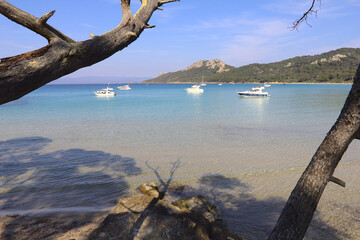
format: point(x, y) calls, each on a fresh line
point(63, 142)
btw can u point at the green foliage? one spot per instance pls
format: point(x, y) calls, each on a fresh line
point(319, 68)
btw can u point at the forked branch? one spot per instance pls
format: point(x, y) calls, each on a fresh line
point(310, 11)
point(26, 72)
point(31, 22)
point(46, 17)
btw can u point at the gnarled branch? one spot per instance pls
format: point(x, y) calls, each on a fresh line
point(26, 72)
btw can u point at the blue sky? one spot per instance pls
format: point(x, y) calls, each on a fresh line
point(238, 32)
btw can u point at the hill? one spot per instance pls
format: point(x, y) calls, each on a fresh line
point(194, 72)
point(337, 66)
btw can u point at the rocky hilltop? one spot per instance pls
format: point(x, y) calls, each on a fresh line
point(217, 65)
point(194, 73)
point(337, 66)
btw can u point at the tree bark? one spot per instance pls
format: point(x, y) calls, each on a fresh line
point(296, 216)
point(24, 73)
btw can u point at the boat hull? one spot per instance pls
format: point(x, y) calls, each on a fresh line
point(105, 95)
point(124, 88)
point(249, 94)
point(194, 91)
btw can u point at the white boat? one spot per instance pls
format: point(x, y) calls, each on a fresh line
point(106, 92)
point(255, 92)
point(124, 87)
point(202, 84)
point(194, 89)
point(220, 84)
point(266, 85)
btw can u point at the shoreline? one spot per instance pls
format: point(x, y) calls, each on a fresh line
point(210, 83)
point(278, 83)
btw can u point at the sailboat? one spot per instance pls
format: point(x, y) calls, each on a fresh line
point(202, 84)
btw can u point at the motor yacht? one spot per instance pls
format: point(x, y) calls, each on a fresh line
point(255, 92)
point(106, 92)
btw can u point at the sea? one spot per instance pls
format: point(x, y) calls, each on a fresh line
point(64, 149)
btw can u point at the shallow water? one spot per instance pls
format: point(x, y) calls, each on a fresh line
point(62, 147)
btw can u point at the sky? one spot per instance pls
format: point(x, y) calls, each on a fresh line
point(235, 31)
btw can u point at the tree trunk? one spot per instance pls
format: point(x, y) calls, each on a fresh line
point(296, 216)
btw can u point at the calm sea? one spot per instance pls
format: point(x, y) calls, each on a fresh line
point(62, 149)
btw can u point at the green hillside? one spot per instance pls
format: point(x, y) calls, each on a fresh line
point(194, 73)
point(336, 66)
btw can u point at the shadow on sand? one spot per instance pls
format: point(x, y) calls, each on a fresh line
point(74, 178)
point(250, 217)
point(59, 181)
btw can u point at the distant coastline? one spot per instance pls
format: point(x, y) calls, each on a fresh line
point(280, 83)
point(337, 66)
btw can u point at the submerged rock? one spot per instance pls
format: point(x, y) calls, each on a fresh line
point(142, 216)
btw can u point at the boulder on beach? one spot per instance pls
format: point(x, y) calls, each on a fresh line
point(146, 216)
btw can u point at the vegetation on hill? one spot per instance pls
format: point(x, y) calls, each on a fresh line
point(338, 66)
point(195, 72)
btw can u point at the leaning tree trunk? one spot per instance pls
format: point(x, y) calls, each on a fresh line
point(24, 73)
point(301, 205)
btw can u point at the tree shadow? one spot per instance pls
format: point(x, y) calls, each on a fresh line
point(164, 184)
point(163, 187)
point(250, 217)
point(126, 225)
point(64, 180)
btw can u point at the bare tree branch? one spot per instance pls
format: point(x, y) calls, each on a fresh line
point(125, 8)
point(149, 26)
point(46, 17)
point(31, 22)
point(310, 11)
point(167, 1)
point(26, 72)
point(337, 181)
